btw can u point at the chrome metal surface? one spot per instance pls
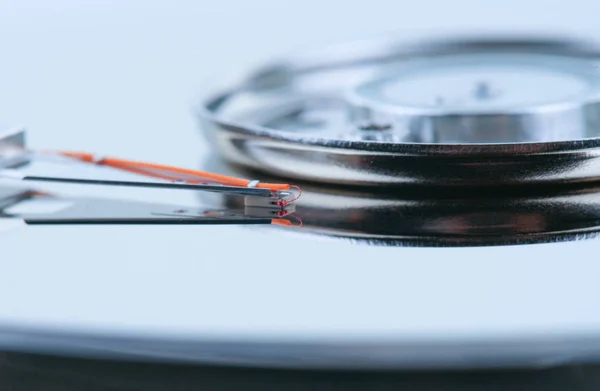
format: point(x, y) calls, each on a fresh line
point(481, 98)
point(240, 191)
point(461, 220)
point(430, 218)
point(39, 208)
point(12, 147)
point(295, 119)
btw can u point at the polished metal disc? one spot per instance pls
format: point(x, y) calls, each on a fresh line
point(475, 98)
point(417, 217)
point(440, 113)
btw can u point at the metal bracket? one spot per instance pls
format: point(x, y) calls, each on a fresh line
point(12, 148)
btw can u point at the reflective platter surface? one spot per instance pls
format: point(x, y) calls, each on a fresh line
point(401, 280)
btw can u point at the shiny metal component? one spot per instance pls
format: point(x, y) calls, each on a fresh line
point(456, 220)
point(235, 190)
point(91, 211)
point(260, 211)
point(11, 195)
point(312, 117)
point(524, 98)
point(12, 148)
point(430, 218)
point(272, 202)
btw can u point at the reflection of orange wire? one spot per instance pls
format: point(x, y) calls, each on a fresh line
point(284, 222)
point(287, 222)
point(169, 172)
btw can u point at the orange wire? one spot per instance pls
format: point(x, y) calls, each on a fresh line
point(149, 169)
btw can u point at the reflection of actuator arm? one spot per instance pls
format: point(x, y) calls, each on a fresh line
point(36, 208)
point(265, 203)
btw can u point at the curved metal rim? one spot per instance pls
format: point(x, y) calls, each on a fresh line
point(581, 70)
point(208, 109)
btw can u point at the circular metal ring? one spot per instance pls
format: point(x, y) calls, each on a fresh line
point(309, 81)
point(418, 217)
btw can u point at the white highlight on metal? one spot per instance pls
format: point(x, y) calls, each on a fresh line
point(39, 206)
point(11, 174)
